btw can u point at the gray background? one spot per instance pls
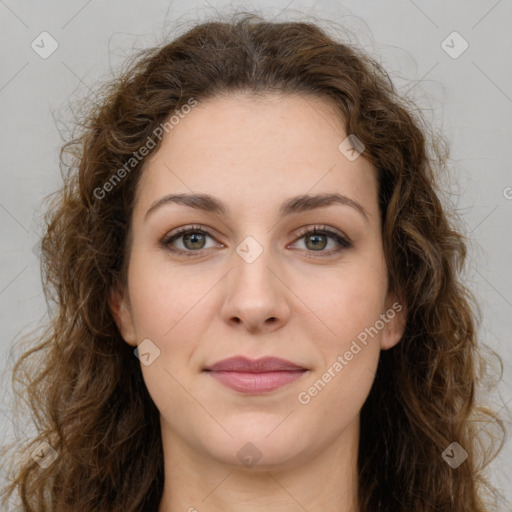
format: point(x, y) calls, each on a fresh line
point(469, 98)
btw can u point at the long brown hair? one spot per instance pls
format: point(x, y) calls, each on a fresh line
point(83, 383)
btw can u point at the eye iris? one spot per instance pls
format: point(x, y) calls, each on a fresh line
point(315, 244)
point(194, 237)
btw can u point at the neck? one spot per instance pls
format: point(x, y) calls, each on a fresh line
point(325, 481)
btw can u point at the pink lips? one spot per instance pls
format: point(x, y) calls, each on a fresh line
point(255, 376)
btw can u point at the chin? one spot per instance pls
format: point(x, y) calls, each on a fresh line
point(260, 446)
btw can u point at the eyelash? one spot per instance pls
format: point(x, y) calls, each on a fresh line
point(318, 230)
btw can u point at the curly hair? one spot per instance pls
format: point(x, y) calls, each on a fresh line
point(84, 386)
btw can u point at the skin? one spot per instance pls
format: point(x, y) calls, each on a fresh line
point(253, 154)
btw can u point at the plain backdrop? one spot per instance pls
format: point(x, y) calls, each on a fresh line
point(453, 58)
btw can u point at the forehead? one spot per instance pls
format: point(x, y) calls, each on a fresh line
point(245, 149)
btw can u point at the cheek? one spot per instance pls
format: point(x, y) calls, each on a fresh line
point(349, 351)
point(160, 299)
point(168, 308)
point(347, 302)
point(337, 403)
point(163, 311)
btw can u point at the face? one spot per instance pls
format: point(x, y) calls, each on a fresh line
point(251, 279)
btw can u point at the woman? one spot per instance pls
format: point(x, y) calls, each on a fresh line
point(258, 295)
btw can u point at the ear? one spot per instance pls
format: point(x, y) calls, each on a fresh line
point(395, 317)
point(119, 305)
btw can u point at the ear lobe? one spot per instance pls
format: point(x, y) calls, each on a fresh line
point(121, 313)
point(396, 316)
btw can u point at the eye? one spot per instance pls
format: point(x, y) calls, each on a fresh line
point(193, 240)
point(316, 239)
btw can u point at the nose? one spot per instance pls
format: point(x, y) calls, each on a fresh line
point(256, 296)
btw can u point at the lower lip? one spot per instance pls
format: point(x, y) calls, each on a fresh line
point(246, 382)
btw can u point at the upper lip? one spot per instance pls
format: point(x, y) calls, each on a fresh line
point(262, 365)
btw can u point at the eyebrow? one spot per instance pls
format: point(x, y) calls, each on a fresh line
point(293, 205)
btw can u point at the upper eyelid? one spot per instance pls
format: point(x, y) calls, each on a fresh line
point(331, 232)
point(320, 228)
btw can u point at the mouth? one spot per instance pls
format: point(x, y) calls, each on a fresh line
point(255, 376)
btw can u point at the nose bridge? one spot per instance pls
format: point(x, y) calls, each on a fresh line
point(254, 294)
point(252, 277)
